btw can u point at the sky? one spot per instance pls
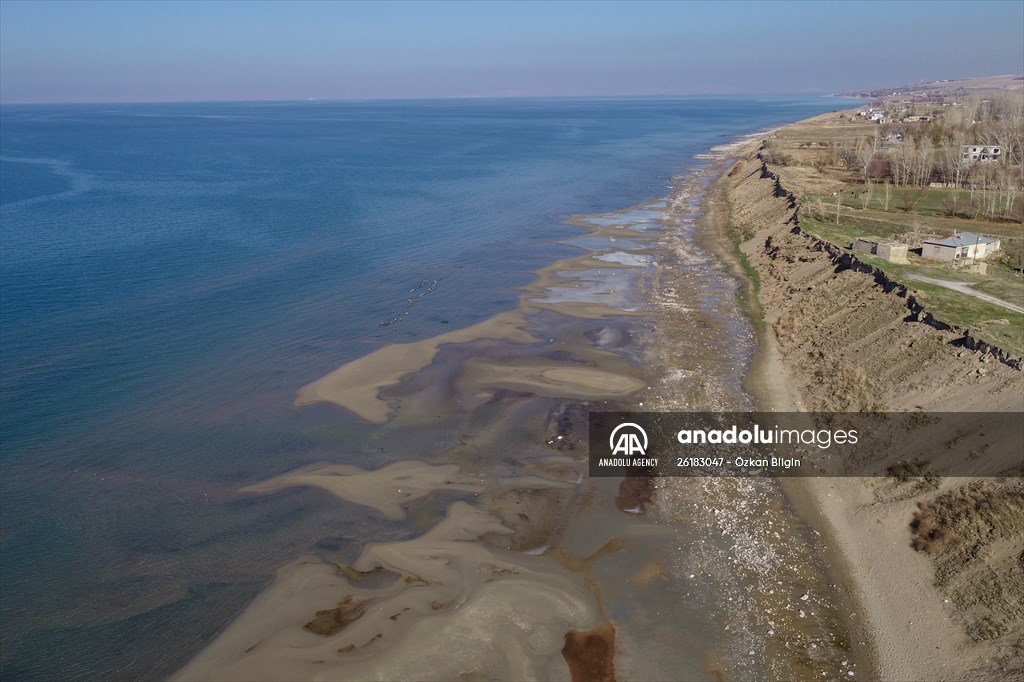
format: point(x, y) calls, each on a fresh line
point(150, 50)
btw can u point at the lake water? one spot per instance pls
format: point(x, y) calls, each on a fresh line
point(171, 275)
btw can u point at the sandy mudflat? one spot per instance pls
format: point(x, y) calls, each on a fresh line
point(452, 600)
point(388, 489)
point(392, 488)
point(455, 601)
point(356, 385)
point(552, 380)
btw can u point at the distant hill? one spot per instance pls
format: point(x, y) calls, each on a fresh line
point(945, 87)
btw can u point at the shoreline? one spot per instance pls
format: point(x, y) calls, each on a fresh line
point(569, 533)
point(903, 627)
point(772, 390)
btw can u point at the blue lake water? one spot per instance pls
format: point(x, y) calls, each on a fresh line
point(171, 274)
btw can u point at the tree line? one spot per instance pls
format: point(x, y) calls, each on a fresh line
point(910, 155)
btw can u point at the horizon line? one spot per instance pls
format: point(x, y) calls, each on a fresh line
point(814, 93)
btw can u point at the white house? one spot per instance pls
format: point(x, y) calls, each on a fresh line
point(960, 247)
point(876, 115)
point(981, 152)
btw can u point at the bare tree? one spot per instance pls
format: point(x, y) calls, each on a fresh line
point(1008, 189)
point(901, 159)
point(921, 163)
point(865, 196)
point(848, 154)
point(865, 153)
point(955, 163)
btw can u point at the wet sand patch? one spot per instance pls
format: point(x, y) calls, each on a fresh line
point(627, 259)
point(455, 598)
point(388, 490)
point(356, 385)
point(552, 380)
point(392, 488)
point(574, 287)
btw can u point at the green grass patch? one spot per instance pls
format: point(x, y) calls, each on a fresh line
point(750, 295)
point(1010, 290)
point(930, 209)
point(930, 201)
point(996, 325)
point(849, 227)
point(753, 301)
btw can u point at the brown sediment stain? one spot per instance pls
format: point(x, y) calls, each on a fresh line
point(591, 654)
point(718, 673)
point(415, 580)
point(330, 621)
point(635, 493)
point(534, 515)
point(583, 565)
point(356, 576)
point(648, 573)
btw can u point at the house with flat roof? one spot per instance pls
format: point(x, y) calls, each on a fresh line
point(981, 152)
point(888, 249)
point(960, 247)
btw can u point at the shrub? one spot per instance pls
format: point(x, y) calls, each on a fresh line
point(777, 158)
point(878, 169)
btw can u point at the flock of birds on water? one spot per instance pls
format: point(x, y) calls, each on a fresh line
point(425, 287)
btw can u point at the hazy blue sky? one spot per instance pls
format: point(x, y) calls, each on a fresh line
point(141, 51)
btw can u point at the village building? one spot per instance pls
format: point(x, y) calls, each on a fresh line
point(876, 115)
point(981, 152)
point(960, 248)
point(887, 249)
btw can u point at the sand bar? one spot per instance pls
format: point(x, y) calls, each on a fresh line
point(356, 385)
point(553, 380)
point(453, 599)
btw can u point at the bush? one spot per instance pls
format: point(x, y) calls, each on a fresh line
point(1013, 253)
point(776, 158)
point(878, 169)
